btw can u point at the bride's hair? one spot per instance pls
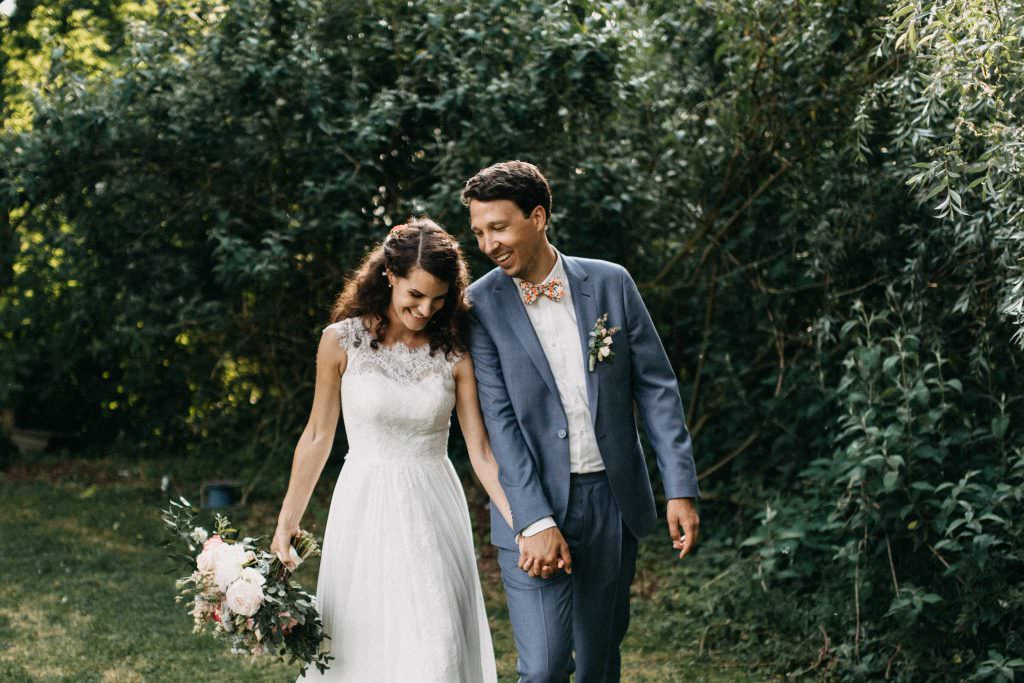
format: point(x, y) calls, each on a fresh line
point(418, 243)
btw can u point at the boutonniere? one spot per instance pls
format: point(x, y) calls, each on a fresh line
point(600, 346)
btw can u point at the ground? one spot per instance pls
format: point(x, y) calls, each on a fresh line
point(88, 593)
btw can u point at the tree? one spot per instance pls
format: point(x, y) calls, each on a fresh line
point(820, 201)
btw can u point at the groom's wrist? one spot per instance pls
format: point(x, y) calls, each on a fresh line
point(538, 526)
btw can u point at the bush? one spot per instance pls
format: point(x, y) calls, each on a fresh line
point(821, 203)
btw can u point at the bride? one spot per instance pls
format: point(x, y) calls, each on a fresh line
point(398, 588)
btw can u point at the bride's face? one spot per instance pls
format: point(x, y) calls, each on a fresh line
point(415, 298)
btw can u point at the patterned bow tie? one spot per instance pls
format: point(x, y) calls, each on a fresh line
point(552, 289)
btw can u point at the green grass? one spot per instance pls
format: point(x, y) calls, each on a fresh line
point(87, 595)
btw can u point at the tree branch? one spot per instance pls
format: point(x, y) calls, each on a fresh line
point(709, 309)
point(732, 456)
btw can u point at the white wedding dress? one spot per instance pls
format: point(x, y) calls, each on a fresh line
point(399, 590)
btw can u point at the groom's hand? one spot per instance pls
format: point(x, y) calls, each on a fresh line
point(541, 553)
point(682, 513)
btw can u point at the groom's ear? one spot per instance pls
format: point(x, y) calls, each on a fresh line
point(539, 217)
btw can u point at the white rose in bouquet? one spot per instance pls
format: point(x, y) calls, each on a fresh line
point(206, 562)
point(253, 575)
point(228, 560)
point(245, 595)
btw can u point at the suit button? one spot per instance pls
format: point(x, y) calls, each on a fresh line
point(562, 434)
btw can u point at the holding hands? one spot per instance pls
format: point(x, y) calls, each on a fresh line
point(547, 552)
point(544, 553)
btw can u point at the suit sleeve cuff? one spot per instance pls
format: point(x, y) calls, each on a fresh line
point(688, 490)
point(539, 526)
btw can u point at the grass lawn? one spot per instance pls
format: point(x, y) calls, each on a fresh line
point(87, 595)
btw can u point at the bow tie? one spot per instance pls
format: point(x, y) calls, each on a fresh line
point(552, 289)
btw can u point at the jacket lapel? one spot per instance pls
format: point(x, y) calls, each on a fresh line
point(510, 300)
point(585, 304)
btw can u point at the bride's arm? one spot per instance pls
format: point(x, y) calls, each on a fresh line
point(471, 421)
point(314, 445)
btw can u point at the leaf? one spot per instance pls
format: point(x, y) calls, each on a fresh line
point(895, 461)
point(790, 534)
point(989, 517)
point(890, 363)
point(903, 11)
point(999, 426)
point(933, 191)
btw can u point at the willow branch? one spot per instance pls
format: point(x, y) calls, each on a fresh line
point(708, 310)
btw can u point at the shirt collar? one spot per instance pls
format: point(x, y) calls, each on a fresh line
point(557, 271)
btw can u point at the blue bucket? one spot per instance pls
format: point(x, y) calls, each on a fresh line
point(220, 494)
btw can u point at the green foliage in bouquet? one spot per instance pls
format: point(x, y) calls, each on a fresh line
point(244, 594)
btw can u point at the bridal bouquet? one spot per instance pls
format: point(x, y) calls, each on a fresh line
point(244, 594)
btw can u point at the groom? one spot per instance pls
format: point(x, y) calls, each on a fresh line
point(557, 389)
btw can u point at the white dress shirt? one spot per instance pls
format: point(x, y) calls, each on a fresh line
point(555, 325)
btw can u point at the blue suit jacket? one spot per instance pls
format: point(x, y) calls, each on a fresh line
point(524, 415)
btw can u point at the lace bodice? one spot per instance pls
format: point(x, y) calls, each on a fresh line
point(396, 401)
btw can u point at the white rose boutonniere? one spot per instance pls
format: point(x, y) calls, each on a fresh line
point(600, 347)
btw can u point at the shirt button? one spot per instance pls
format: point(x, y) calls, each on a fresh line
point(561, 433)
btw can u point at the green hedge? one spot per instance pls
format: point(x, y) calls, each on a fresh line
point(821, 202)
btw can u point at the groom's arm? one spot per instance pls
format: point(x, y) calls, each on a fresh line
point(516, 471)
point(656, 393)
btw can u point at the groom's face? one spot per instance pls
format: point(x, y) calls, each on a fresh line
point(514, 242)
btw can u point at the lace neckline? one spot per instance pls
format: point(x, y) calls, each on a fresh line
point(399, 361)
point(397, 345)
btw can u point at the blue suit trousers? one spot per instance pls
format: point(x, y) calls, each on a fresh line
point(576, 622)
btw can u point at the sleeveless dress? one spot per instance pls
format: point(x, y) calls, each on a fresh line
point(398, 588)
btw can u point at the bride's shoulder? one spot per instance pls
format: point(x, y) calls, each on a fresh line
point(348, 332)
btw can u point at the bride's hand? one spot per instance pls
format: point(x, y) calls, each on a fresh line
point(281, 546)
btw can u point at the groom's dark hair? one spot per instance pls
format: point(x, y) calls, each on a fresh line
point(517, 181)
